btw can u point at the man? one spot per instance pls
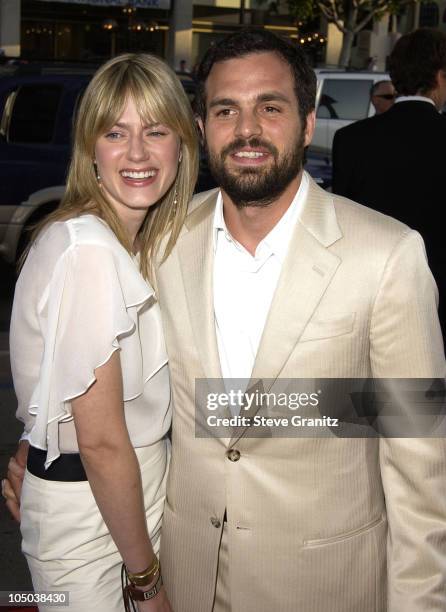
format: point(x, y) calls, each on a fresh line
point(274, 279)
point(394, 162)
point(183, 67)
point(382, 96)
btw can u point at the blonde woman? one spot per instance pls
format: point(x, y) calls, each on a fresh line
point(87, 351)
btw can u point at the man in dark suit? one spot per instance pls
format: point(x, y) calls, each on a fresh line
point(395, 162)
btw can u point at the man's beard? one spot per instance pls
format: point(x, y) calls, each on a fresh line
point(257, 186)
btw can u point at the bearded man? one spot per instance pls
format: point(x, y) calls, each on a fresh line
point(275, 279)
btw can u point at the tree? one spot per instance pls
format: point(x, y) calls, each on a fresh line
point(349, 16)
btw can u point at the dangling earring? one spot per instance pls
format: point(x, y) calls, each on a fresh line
point(175, 193)
point(96, 171)
point(175, 200)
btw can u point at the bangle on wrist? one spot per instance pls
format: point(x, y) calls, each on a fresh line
point(147, 576)
point(149, 585)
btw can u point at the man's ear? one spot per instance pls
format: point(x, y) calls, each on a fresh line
point(441, 79)
point(201, 131)
point(309, 128)
point(438, 94)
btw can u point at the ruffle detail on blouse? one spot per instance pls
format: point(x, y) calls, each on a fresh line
point(96, 303)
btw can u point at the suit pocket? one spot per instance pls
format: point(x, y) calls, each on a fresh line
point(347, 535)
point(348, 571)
point(317, 329)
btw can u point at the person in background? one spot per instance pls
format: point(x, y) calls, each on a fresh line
point(372, 63)
point(88, 357)
point(382, 96)
point(394, 162)
point(183, 67)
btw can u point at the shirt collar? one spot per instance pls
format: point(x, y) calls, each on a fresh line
point(414, 99)
point(278, 239)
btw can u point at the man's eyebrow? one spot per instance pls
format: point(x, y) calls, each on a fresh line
point(270, 96)
point(222, 102)
point(273, 96)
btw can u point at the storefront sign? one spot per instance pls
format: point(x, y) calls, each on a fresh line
point(158, 4)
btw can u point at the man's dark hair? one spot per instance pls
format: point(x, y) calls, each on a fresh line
point(415, 61)
point(257, 40)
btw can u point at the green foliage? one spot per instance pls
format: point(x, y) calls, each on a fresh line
point(303, 9)
point(335, 10)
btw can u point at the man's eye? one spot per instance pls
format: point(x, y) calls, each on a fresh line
point(271, 109)
point(225, 112)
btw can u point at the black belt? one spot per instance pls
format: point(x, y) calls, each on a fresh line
point(66, 468)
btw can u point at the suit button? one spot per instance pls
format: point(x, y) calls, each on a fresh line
point(233, 454)
point(215, 522)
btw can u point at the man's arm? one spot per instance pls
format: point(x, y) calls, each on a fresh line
point(406, 343)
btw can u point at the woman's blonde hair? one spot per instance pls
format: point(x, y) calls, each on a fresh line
point(159, 98)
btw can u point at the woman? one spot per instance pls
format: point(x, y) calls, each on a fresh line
point(87, 352)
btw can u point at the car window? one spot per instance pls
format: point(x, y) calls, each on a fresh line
point(33, 116)
point(344, 99)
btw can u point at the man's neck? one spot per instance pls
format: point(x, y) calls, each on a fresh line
point(435, 96)
point(249, 225)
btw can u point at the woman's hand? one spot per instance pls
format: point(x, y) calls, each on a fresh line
point(12, 484)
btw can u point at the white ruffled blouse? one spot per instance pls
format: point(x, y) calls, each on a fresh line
point(80, 296)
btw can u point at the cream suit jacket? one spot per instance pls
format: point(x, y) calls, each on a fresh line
point(314, 524)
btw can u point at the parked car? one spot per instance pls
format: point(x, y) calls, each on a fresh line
point(342, 97)
point(36, 110)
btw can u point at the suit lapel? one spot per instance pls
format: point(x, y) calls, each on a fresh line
point(196, 254)
point(306, 274)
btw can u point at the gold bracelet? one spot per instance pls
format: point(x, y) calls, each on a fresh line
point(147, 576)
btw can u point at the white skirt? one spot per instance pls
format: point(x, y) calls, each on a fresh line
point(67, 544)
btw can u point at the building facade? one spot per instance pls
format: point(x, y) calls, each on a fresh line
point(181, 30)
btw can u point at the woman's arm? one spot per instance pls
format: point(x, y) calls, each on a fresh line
point(113, 470)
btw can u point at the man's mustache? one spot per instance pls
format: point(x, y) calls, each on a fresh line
point(253, 143)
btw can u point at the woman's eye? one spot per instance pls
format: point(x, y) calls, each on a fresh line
point(113, 135)
point(156, 133)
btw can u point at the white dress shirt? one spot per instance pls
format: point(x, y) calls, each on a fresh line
point(244, 286)
point(414, 99)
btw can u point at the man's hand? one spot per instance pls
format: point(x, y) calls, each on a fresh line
point(12, 485)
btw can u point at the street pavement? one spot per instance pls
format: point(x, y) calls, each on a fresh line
point(14, 575)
